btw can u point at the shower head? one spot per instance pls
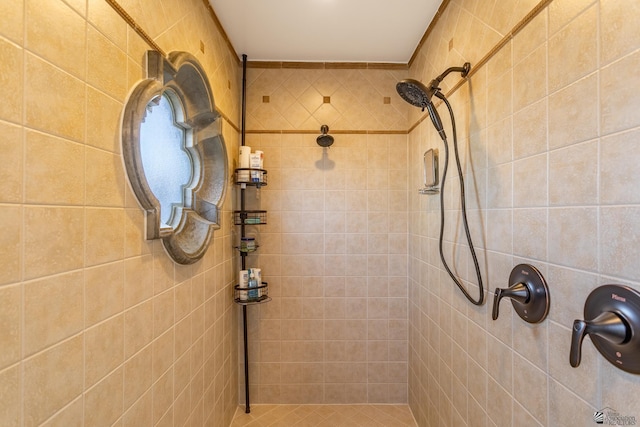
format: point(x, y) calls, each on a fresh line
point(419, 95)
point(415, 93)
point(324, 140)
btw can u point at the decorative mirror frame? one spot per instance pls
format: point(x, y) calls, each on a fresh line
point(186, 83)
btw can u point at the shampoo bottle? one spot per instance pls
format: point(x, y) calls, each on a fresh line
point(253, 286)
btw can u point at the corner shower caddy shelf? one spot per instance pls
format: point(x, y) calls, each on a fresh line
point(248, 251)
point(253, 178)
point(244, 217)
point(262, 290)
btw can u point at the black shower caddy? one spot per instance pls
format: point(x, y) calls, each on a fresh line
point(248, 177)
point(243, 218)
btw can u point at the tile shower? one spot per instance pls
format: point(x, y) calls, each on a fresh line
point(362, 311)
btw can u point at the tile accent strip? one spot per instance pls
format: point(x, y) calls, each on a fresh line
point(515, 30)
point(430, 28)
point(132, 23)
point(336, 132)
point(142, 33)
point(327, 65)
point(216, 21)
point(343, 65)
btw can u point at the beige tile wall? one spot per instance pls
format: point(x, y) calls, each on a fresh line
point(296, 99)
point(334, 251)
point(98, 326)
point(547, 132)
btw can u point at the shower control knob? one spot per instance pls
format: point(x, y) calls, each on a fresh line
point(607, 325)
point(517, 292)
point(528, 292)
point(613, 326)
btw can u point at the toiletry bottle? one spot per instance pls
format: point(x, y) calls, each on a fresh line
point(243, 284)
point(253, 286)
point(247, 244)
point(254, 164)
point(243, 160)
point(258, 275)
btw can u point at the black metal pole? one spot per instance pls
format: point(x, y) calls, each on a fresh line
point(247, 406)
point(243, 255)
point(244, 97)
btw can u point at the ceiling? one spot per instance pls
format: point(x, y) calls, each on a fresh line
point(326, 30)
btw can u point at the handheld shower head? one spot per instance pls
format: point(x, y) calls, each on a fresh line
point(415, 93)
point(435, 119)
point(419, 95)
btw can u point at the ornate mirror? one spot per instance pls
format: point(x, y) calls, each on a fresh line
point(174, 154)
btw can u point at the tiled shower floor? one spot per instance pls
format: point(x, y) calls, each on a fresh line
point(325, 416)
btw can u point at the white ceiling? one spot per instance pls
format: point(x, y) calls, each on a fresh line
point(326, 30)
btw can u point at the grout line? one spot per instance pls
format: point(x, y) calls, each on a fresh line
point(23, 228)
point(84, 221)
point(599, 363)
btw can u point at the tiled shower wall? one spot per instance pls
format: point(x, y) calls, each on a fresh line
point(334, 250)
point(98, 326)
point(346, 97)
point(549, 141)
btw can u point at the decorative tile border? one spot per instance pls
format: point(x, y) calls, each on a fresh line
point(143, 34)
point(339, 65)
point(336, 132)
point(343, 65)
point(506, 39)
point(134, 25)
point(216, 21)
point(327, 65)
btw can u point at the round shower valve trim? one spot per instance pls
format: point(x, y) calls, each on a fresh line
point(528, 292)
point(612, 321)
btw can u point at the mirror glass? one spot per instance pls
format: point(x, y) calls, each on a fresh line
point(430, 168)
point(166, 162)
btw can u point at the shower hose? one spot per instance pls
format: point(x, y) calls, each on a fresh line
point(480, 299)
